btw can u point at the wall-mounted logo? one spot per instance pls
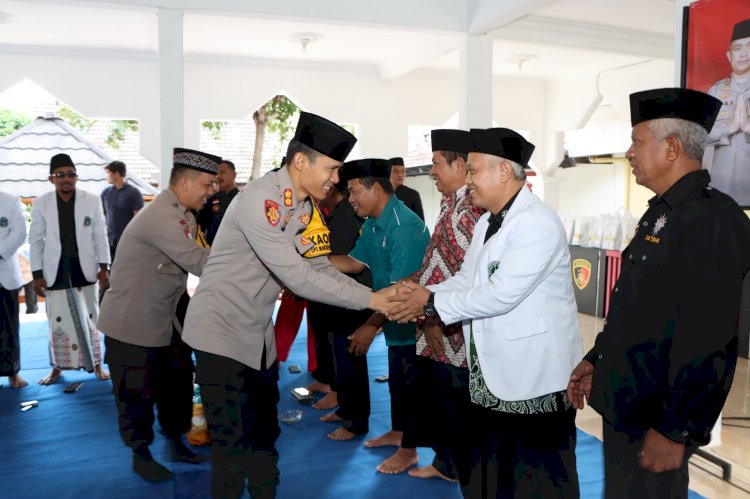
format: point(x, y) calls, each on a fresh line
point(581, 272)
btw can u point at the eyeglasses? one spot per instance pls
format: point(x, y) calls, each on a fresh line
point(63, 175)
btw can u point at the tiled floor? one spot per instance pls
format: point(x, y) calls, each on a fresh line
point(705, 477)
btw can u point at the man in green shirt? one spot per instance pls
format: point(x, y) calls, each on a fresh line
point(392, 244)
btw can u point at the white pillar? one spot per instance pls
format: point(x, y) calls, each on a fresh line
point(170, 88)
point(475, 82)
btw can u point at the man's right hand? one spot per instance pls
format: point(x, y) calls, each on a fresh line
point(379, 302)
point(579, 386)
point(40, 286)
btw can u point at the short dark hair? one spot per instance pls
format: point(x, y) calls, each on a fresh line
point(229, 164)
point(116, 167)
point(451, 156)
point(296, 146)
point(383, 182)
point(181, 171)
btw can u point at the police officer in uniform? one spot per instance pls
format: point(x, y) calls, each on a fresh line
point(660, 371)
point(149, 364)
point(728, 147)
point(258, 250)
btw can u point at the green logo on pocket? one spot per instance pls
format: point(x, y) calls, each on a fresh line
point(3, 222)
point(492, 267)
point(87, 222)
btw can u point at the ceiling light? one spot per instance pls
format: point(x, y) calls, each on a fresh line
point(520, 59)
point(305, 39)
point(5, 18)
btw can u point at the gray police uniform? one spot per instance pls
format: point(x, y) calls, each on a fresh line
point(727, 156)
point(157, 250)
point(229, 323)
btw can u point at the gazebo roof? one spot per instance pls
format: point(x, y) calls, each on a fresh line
point(25, 156)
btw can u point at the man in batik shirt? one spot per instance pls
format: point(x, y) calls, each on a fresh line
point(443, 375)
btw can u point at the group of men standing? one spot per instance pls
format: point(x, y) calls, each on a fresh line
point(485, 355)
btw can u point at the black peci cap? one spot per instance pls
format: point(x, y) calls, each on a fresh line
point(60, 160)
point(680, 103)
point(450, 140)
point(396, 161)
point(369, 167)
point(741, 30)
point(324, 136)
point(502, 142)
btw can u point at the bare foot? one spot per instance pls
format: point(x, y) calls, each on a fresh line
point(391, 438)
point(429, 471)
point(399, 462)
point(331, 417)
point(317, 386)
point(101, 374)
point(17, 381)
point(51, 377)
point(341, 434)
point(330, 401)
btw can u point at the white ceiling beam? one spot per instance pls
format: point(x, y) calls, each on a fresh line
point(440, 15)
point(415, 59)
point(489, 15)
point(545, 30)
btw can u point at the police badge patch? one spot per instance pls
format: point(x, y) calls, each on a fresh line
point(87, 222)
point(272, 212)
point(581, 272)
point(3, 222)
point(304, 219)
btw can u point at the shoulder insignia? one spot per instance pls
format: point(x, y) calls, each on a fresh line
point(287, 197)
point(186, 229)
point(272, 212)
point(304, 219)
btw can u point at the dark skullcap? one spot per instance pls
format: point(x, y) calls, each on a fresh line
point(450, 140)
point(501, 142)
point(369, 167)
point(741, 30)
point(680, 103)
point(324, 136)
point(60, 160)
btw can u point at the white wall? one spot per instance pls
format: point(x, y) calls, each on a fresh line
point(592, 189)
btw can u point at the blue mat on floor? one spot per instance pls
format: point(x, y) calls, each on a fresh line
point(68, 447)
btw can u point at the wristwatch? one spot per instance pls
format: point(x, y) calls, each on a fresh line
point(429, 307)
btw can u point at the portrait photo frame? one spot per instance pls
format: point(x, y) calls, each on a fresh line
point(707, 29)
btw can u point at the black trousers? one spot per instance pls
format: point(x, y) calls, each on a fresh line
point(352, 385)
point(10, 346)
point(144, 377)
point(318, 320)
point(623, 478)
point(401, 385)
point(241, 410)
point(442, 414)
point(522, 455)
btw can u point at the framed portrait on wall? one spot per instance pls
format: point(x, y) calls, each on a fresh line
point(716, 60)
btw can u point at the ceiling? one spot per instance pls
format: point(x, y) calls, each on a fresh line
point(565, 37)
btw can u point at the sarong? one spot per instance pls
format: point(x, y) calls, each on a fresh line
point(74, 340)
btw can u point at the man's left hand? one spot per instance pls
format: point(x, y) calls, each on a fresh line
point(660, 453)
point(103, 277)
point(409, 303)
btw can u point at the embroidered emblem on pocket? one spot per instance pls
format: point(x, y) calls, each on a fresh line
point(87, 222)
point(492, 267)
point(3, 222)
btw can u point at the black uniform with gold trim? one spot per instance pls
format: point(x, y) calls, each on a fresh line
point(667, 355)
